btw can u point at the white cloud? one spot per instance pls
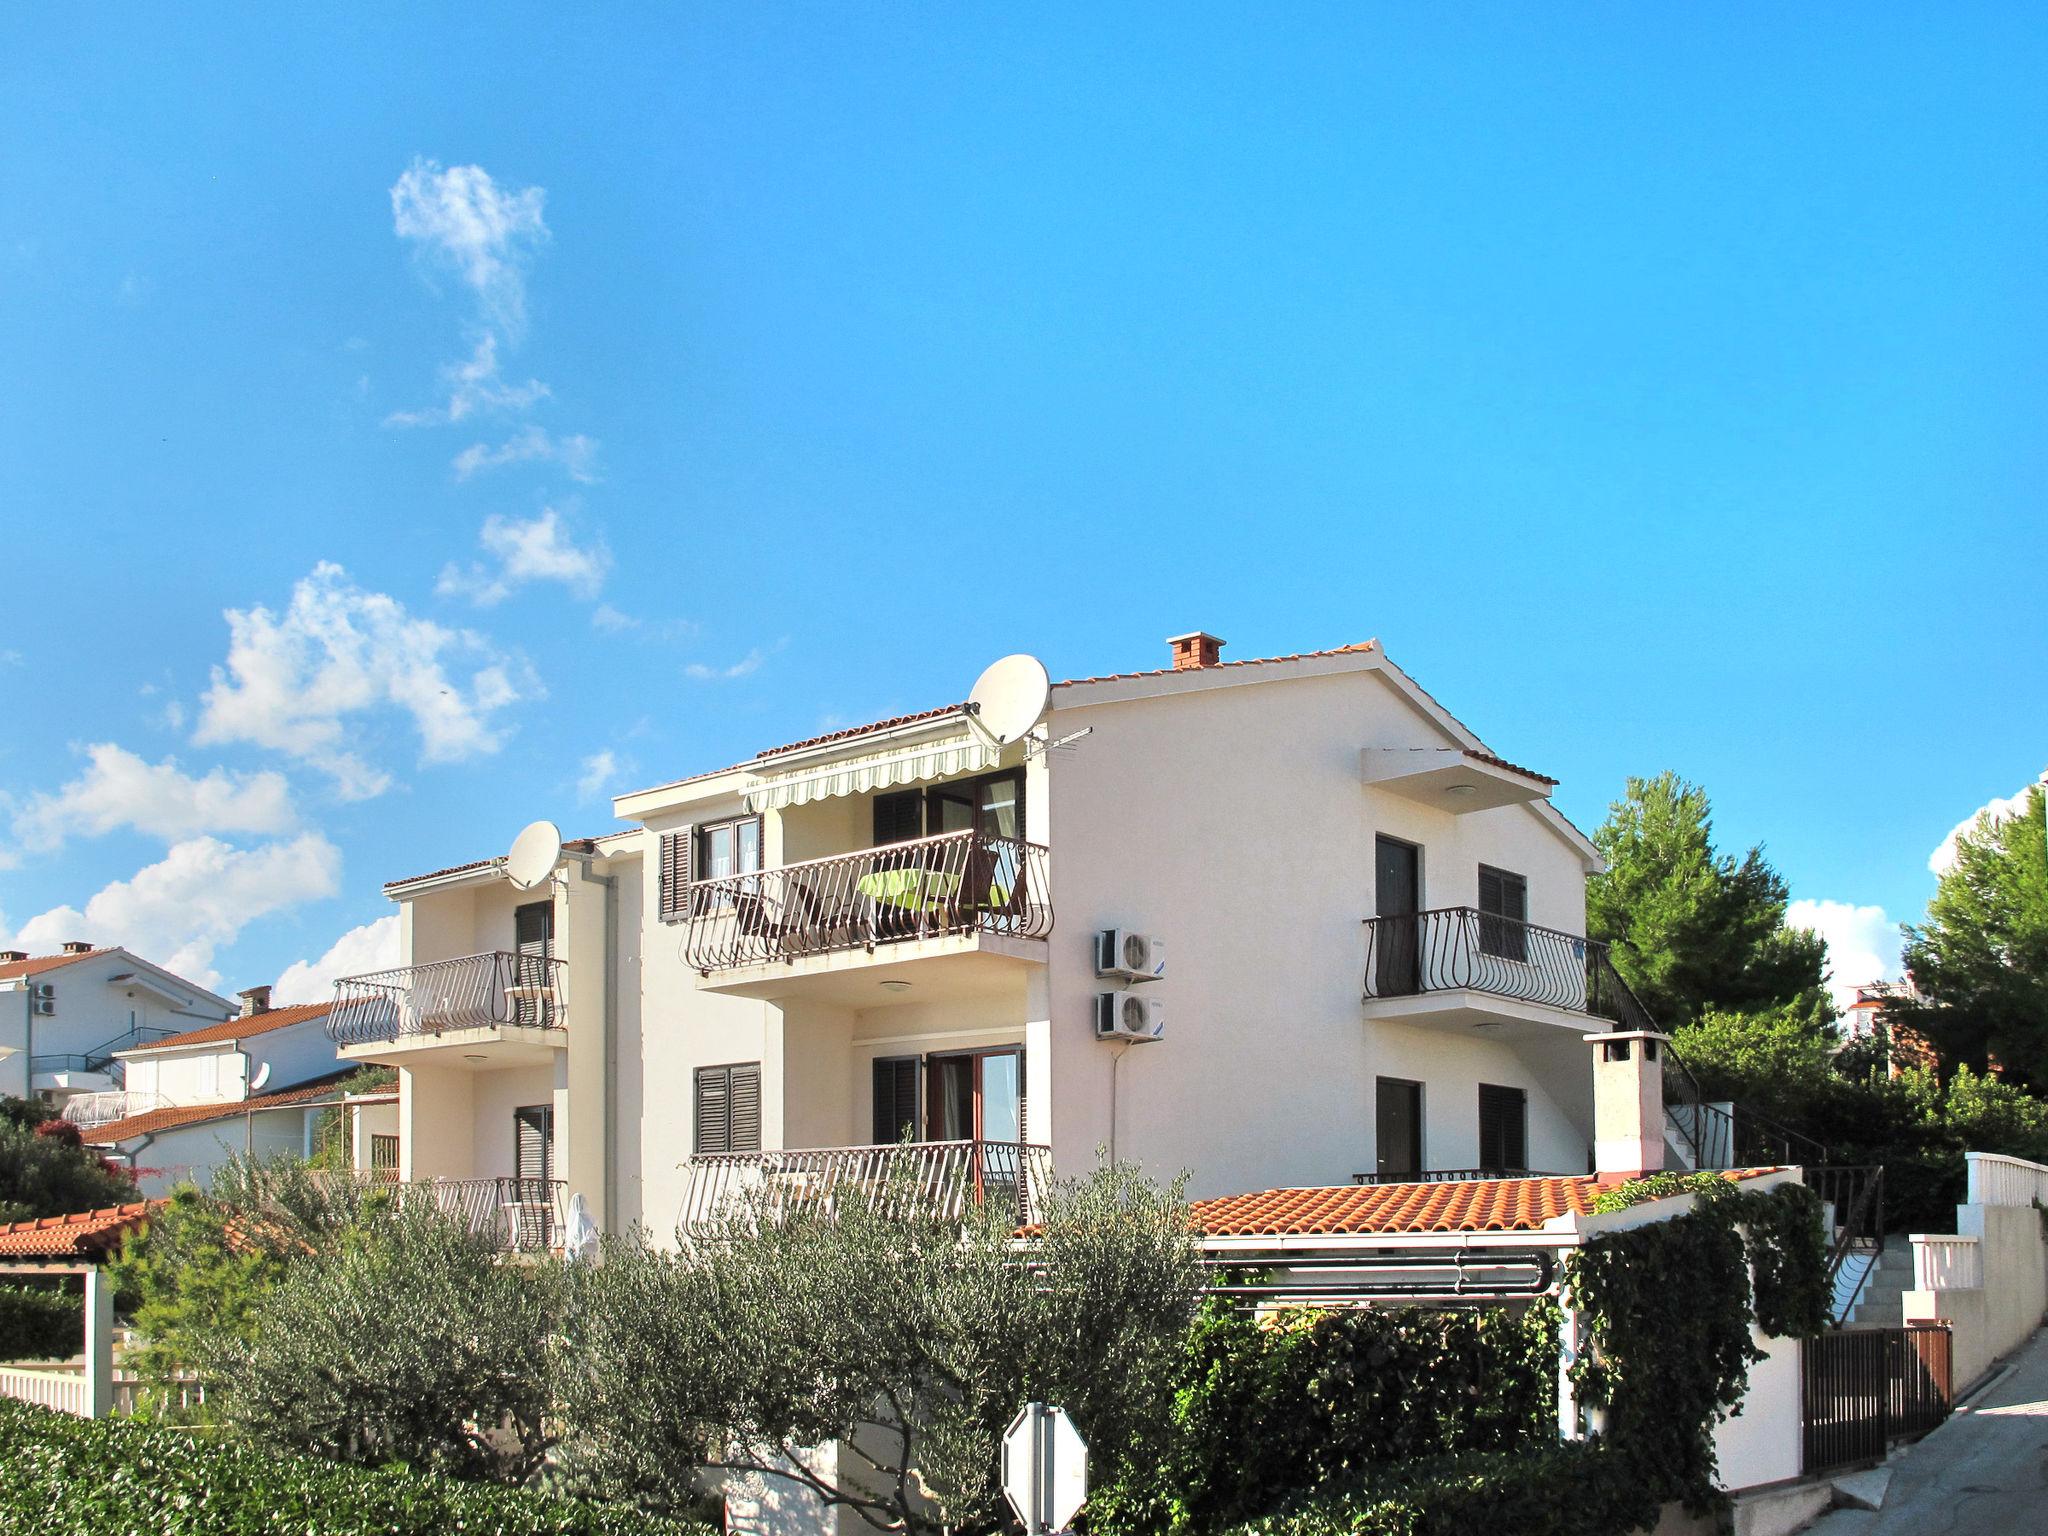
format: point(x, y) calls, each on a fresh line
point(372, 947)
point(199, 896)
point(339, 651)
point(532, 444)
point(118, 789)
point(460, 217)
point(745, 666)
point(539, 549)
point(1863, 943)
point(1943, 859)
point(611, 621)
point(600, 770)
point(473, 385)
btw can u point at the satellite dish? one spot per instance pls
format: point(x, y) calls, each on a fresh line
point(262, 1076)
point(1010, 698)
point(535, 853)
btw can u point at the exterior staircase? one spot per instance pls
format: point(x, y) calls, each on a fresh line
point(1881, 1301)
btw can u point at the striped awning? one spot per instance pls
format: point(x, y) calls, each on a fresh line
point(881, 770)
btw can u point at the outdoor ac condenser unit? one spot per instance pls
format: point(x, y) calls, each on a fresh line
point(1130, 955)
point(46, 1006)
point(1127, 1016)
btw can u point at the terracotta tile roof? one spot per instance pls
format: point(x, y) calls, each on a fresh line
point(151, 1121)
point(1472, 1205)
point(85, 1235)
point(1249, 661)
point(572, 845)
point(35, 965)
point(239, 1028)
point(858, 730)
point(1501, 762)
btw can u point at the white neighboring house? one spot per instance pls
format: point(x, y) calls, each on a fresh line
point(65, 1017)
point(259, 1084)
point(1373, 930)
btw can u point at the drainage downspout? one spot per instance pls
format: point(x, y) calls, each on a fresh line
point(608, 1218)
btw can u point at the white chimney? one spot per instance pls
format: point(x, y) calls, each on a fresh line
point(255, 1000)
point(1628, 1102)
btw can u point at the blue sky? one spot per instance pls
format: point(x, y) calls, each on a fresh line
point(416, 421)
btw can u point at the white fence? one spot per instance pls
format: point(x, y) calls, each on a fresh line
point(64, 1391)
point(1997, 1180)
point(1947, 1263)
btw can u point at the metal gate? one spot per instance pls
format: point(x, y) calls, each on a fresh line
point(1865, 1387)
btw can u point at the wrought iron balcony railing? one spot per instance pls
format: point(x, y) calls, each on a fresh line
point(514, 1215)
point(470, 992)
point(1461, 948)
point(943, 1179)
point(1452, 1176)
point(959, 882)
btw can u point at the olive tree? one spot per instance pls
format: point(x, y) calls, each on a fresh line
point(403, 1338)
point(900, 1336)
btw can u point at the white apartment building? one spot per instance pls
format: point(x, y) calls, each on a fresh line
point(1368, 928)
point(64, 1018)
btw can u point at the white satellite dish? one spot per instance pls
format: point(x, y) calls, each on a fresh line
point(262, 1076)
point(1010, 698)
point(535, 853)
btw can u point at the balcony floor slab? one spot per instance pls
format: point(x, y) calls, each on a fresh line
point(1464, 1009)
point(947, 968)
point(482, 1050)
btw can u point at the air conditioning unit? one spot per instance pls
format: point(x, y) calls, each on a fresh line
point(46, 1006)
point(1130, 955)
point(45, 989)
point(1127, 1016)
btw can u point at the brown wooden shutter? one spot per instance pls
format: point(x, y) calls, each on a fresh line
point(746, 1108)
point(895, 1099)
point(713, 1130)
point(675, 874)
point(533, 1152)
point(1503, 1127)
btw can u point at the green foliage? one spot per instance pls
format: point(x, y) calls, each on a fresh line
point(1574, 1489)
point(40, 1322)
point(331, 1150)
point(1659, 1186)
point(61, 1475)
point(193, 1279)
point(25, 1113)
point(1694, 929)
point(42, 1176)
point(1981, 953)
point(1267, 1409)
point(908, 1334)
point(1669, 1307)
point(404, 1339)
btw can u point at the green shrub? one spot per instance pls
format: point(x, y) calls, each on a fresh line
point(1268, 1410)
point(61, 1475)
point(1575, 1489)
point(44, 1176)
point(40, 1323)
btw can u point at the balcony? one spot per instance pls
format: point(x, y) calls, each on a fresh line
point(935, 1178)
point(496, 1009)
point(513, 1215)
point(932, 900)
point(1460, 966)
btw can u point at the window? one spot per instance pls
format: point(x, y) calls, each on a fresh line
point(992, 805)
point(729, 848)
point(975, 1096)
point(1503, 1128)
point(533, 1146)
point(728, 1108)
point(896, 1099)
point(1398, 1117)
point(1503, 914)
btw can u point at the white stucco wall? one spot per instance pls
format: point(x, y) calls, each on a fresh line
point(1761, 1444)
point(1989, 1322)
point(193, 1152)
point(92, 1009)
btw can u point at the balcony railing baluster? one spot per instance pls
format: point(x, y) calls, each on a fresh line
point(469, 992)
point(941, 1178)
point(960, 882)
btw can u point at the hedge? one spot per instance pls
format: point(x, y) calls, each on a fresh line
point(1574, 1489)
point(40, 1324)
point(61, 1475)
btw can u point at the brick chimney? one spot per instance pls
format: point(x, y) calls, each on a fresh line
point(255, 1000)
point(1628, 1103)
point(1199, 649)
point(9, 956)
point(77, 947)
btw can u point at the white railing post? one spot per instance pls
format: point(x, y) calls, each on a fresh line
point(1998, 1180)
point(1943, 1262)
point(99, 1343)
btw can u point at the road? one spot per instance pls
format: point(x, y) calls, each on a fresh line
point(1986, 1470)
